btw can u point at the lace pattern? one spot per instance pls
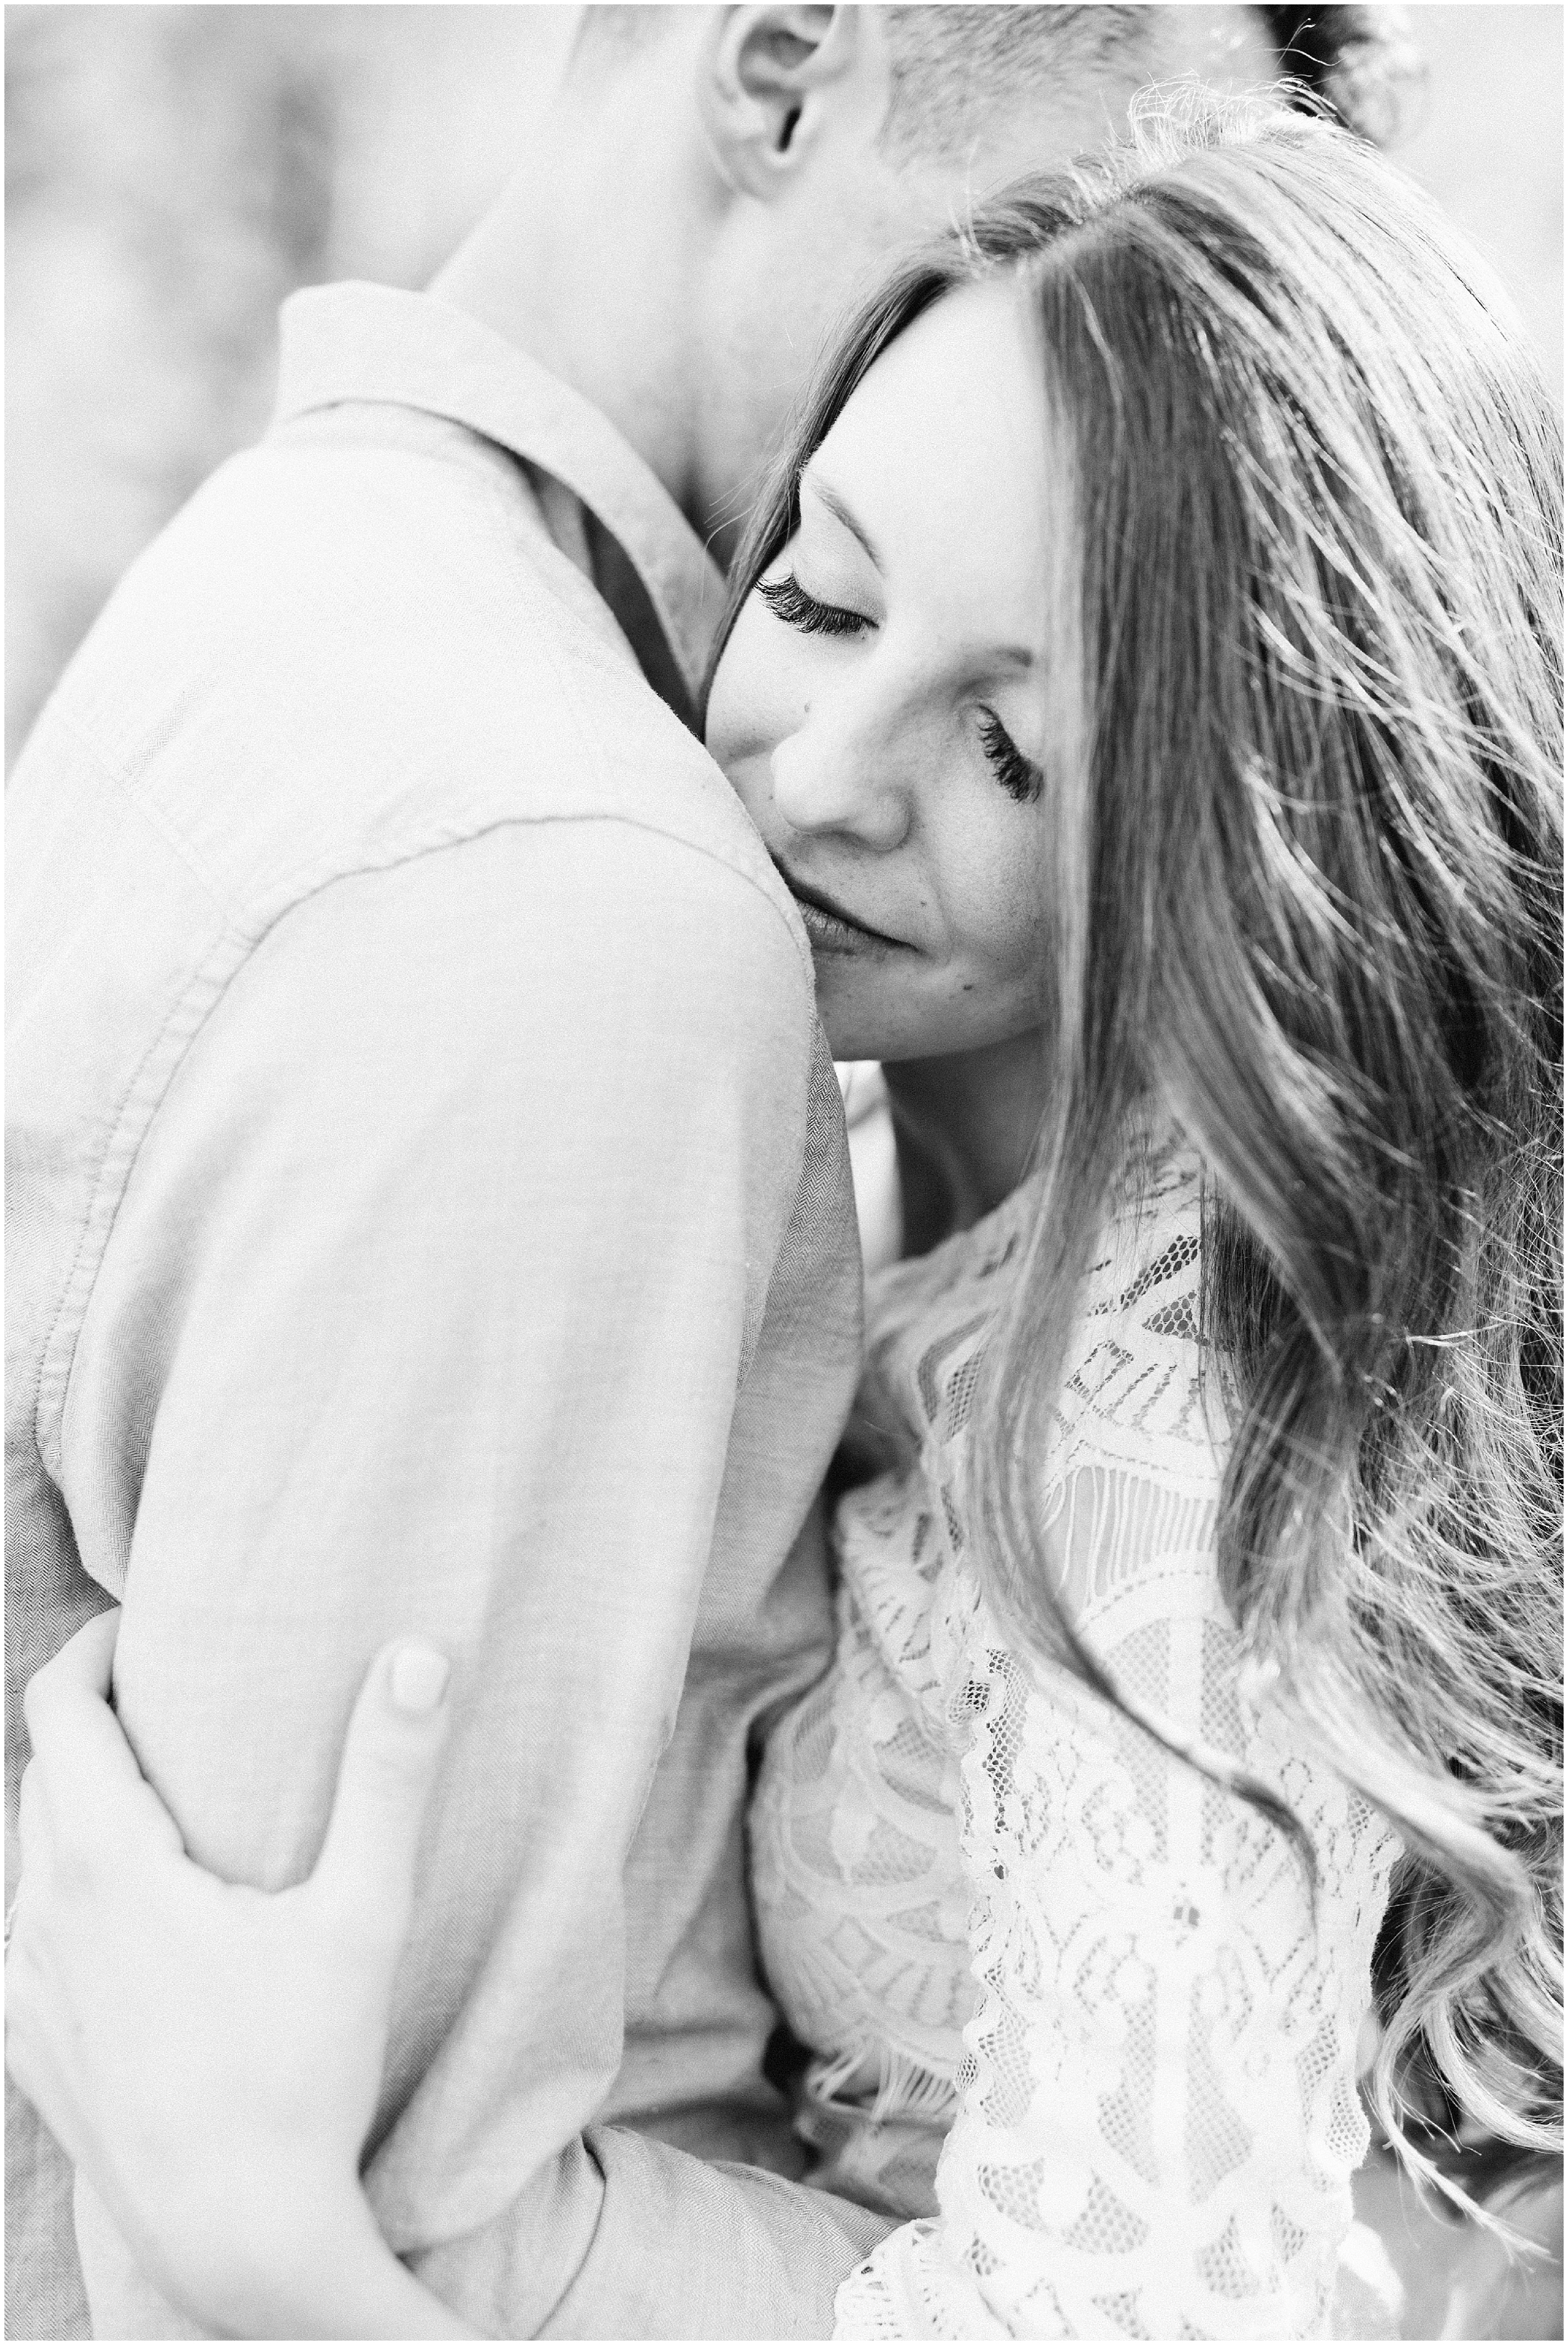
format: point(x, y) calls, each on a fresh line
point(1074, 2013)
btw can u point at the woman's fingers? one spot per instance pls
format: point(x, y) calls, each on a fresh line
point(30, 2047)
point(177, 2031)
point(87, 1795)
point(83, 1665)
point(392, 1750)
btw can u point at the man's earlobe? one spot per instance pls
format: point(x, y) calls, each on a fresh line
point(766, 84)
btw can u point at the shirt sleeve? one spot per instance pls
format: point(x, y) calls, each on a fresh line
point(1156, 2113)
point(425, 1311)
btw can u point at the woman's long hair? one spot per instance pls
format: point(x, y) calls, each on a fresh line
point(1305, 894)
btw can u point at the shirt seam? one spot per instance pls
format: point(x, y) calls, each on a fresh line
point(541, 420)
point(485, 499)
point(123, 1148)
point(293, 887)
point(117, 773)
point(488, 499)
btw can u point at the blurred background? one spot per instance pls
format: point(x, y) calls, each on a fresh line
point(172, 172)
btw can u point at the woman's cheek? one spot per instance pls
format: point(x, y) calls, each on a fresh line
point(728, 698)
point(989, 887)
point(755, 702)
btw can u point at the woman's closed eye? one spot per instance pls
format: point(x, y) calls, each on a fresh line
point(1019, 775)
point(787, 599)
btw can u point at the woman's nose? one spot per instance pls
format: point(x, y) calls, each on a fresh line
point(825, 778)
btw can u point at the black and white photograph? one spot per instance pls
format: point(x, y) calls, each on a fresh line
point(784, 1174)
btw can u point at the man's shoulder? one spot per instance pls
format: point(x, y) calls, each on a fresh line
point(341, 655)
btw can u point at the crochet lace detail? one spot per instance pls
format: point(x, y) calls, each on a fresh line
point(1076, 2012)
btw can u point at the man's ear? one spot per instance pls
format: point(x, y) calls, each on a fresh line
point(767, 82)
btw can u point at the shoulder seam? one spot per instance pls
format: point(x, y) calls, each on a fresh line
point(587, 728)
point(116, 772)
point(294, 887)
point(237, 943)
point(453, 839)
point(482, 496)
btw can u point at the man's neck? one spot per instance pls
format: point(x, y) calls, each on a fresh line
point(964, 1126)
point(591, 271)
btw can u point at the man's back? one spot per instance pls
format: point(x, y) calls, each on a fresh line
point(430, 1213)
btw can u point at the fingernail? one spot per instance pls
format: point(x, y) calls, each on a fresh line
point(418, 1679)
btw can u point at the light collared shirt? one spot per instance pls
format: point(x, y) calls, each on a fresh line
point(430, 1213)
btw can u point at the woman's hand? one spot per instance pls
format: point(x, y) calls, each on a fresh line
point(211, 2055)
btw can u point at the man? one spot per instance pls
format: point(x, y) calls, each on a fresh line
point(429, 1204)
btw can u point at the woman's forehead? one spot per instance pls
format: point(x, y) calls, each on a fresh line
point(946, 468)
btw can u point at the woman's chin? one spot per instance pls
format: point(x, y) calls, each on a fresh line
point(849, 1044)
point(891, 1004)
point(852, 1034)
point(859, 1025)
point(849, 1022)
point(858, 1029)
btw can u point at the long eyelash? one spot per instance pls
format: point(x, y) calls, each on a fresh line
point(1020, 778)
point(788, 601)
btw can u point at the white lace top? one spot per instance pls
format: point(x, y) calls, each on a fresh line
point(1072, 2011)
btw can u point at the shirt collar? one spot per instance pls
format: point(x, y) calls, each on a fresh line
point(359, 341)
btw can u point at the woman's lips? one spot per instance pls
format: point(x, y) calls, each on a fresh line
point(831, 928)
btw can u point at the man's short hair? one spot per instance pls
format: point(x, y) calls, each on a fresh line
point(952, 66)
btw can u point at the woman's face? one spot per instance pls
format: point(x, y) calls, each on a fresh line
point(885, 705)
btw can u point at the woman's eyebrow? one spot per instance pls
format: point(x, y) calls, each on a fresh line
point(827, 494)
point(1002, 656)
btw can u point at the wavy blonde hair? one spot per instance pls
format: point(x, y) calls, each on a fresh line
point(1306, 894)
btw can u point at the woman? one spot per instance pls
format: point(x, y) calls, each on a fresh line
point(1144, 673)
